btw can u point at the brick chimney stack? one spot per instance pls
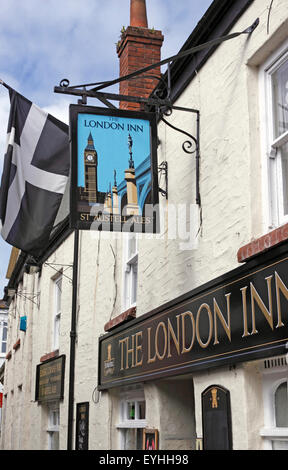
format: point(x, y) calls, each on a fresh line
point(138, 47)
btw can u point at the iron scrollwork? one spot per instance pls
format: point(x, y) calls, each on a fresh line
point(189, 146)
point(64, 83)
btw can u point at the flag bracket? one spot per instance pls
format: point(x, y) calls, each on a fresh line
point(60, 271)
point(30, 296)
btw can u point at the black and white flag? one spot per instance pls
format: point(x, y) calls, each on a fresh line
point(35, 174)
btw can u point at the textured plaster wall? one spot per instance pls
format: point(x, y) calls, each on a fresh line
point(176, 411)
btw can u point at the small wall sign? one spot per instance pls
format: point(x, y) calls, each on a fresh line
point(82, 426)
point(50, 380)
point(150, 439)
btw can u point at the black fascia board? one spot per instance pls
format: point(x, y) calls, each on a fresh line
point(218, 20)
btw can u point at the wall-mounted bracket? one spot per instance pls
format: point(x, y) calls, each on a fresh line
point(163, 170)
point(190, 146)
point(163, 106)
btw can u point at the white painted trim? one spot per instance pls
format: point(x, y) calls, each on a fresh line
point(127, 262)
point(271, 379)
point(272, 172)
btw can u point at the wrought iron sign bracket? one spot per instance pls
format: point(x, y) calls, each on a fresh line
point(163, 170)
point(162, 106)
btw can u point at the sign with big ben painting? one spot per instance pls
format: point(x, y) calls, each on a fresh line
point(114, 176)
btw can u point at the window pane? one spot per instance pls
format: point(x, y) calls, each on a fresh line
point(280, 99)
point(134, 268)
point(139, 442)
point(281, 406)
point(284, 160)
point(58, 291)
point(141, 405)
point(4, 335)
point(54, 441)
point(131, 410)
point(55, 418)
point(56, 332)
point(133, 439)
point(4, 339)
point(129, 439)
point(53, 429)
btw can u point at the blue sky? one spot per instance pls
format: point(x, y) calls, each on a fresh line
point(44, 41)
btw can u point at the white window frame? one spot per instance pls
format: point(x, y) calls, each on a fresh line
point(53, 427)
point(136, 397)
point(57, 285)
point(130, 274)
point(273, 377)
point(272, 180)
point(3, 325)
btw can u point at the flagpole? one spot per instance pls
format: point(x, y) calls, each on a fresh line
point(73, 341)
point(5, 84)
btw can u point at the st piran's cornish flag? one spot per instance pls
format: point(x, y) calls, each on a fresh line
point(35, 174)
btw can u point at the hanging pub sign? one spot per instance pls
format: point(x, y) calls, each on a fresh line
point(240, 316)
point(114, 176)
point(50, 380)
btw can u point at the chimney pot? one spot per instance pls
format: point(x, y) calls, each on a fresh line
point(138, 48)
point(138, 14)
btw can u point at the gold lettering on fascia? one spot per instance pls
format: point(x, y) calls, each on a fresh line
point(225, 324)
point(268, 314)
point(280, 286)
point(245, 311)
point(187, 317)
point(131, 351)
point(267, 311)
point(177, 335)
point(206, 308)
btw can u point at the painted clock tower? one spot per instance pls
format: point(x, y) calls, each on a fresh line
point(90, 169)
